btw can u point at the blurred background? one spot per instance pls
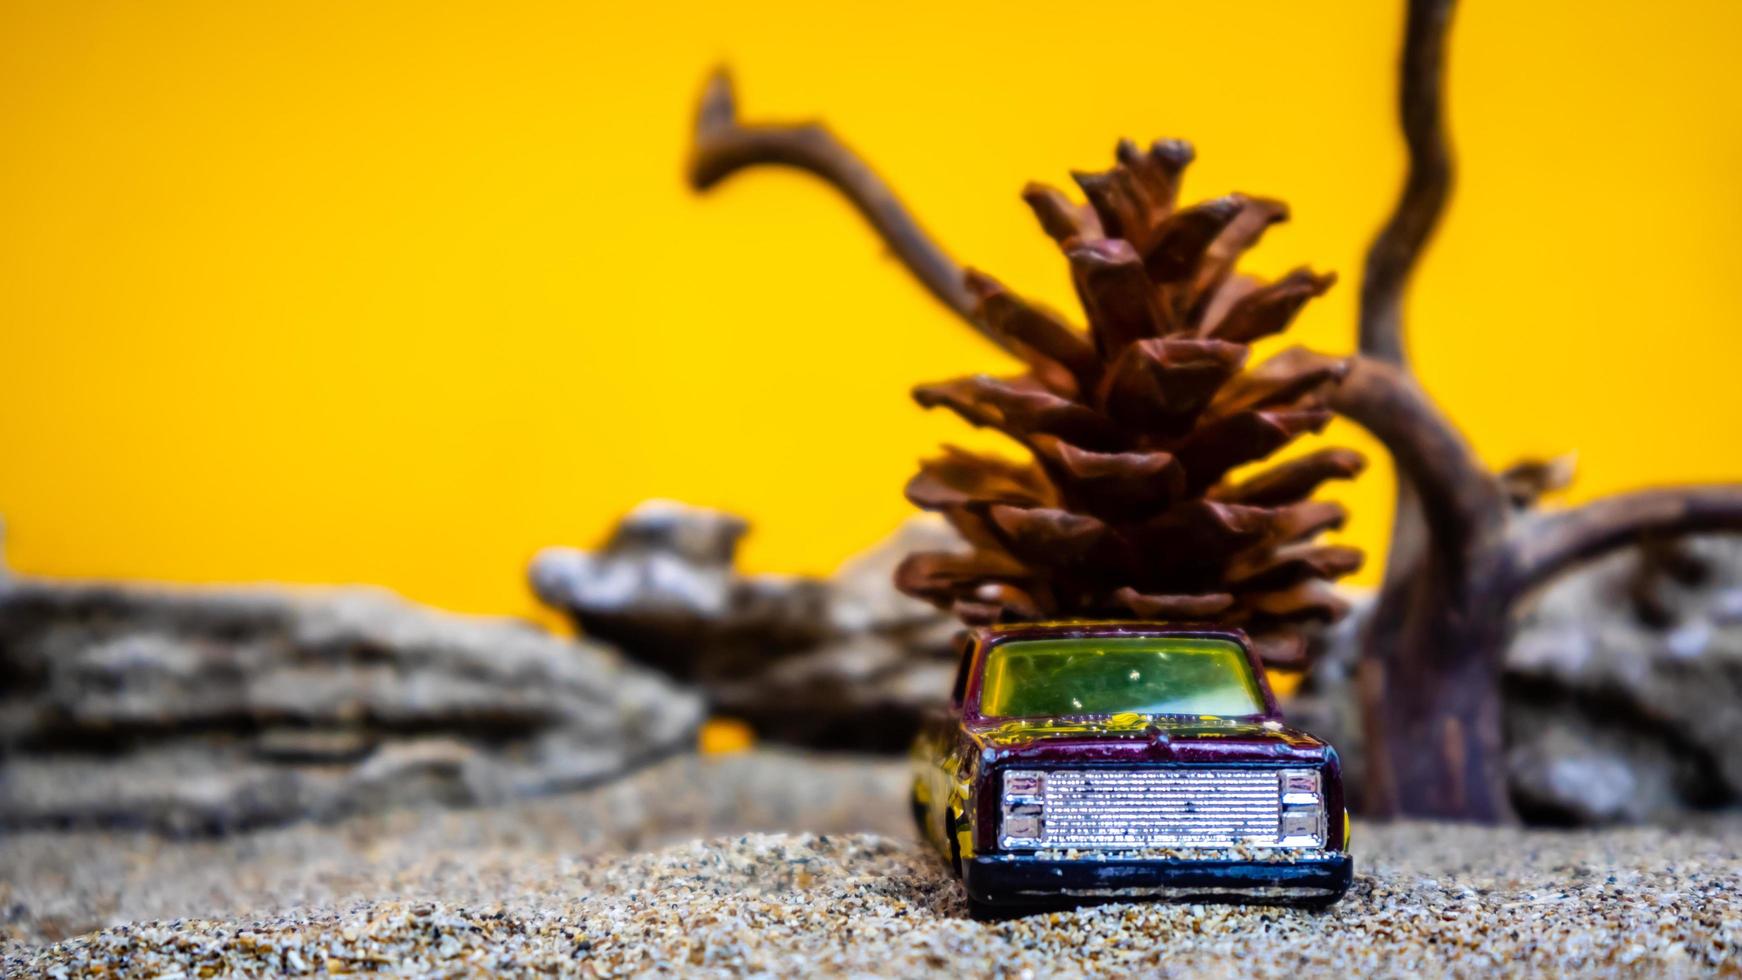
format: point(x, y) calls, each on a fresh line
point(404, 294)
point(398, 293)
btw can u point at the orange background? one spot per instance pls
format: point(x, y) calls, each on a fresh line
point(399, 292)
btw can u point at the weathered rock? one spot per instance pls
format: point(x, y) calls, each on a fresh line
point(864, 586)
point(663, 589)
point(840, 662)
point(1568, 767)
point(1632, 667)
point(1623, 688)
point(697, 536)
point(197, 710)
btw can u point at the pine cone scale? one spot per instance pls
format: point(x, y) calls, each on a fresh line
point(1161, 383)
point(1255, 217)
point(1116, 295)
point(1222, 444)
point(1174, 606)
point(1035, 332)
point(1296, 479)
point(1062, 219)
point(1182, 241)
point(1269, 309)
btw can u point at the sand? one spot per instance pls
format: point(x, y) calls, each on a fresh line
point(582, 885)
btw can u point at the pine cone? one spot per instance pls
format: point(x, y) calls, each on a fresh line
point(1125, 510)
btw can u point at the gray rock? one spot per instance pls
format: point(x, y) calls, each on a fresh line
point(1565, 767)
point(1622, 687)
point(200, 710)
point(663, 588)
point(696, 535)
point(841, 662)
point(1641, 668)
point(865, 597)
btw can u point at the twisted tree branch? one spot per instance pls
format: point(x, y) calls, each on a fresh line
point(1544, 546)
point(1398, 246)
point(1458, 497)
point(724, 146)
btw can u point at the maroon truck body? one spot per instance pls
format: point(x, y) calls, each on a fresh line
point(961, 756)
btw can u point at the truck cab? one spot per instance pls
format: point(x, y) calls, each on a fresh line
point(1082, 762)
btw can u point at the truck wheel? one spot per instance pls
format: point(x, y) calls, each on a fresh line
point(981, 912)
point(918, 813)
point(950, 820)
point(1319, 903)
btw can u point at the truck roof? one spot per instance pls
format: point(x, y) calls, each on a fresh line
point(1107, 627)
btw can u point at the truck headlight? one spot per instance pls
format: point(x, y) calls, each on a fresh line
point(1021, 822)
point(1301, 822)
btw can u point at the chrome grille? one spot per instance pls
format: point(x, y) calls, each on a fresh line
point(1104, 808)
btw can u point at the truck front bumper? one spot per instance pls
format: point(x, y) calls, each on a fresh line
point(1016, 880)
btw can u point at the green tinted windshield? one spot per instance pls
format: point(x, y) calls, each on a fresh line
point(1151, 675)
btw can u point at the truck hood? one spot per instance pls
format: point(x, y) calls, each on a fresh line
point(1145, 738)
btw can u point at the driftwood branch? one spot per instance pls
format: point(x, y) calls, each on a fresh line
point(1457, 495)
point(1398, 247)
point(724, 146)
point(1544, 546)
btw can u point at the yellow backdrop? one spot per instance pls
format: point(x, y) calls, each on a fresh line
point(398, 292)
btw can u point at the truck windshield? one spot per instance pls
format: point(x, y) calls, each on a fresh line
point(1150, 675)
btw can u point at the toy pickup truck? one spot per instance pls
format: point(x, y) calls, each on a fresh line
point(1085, 762)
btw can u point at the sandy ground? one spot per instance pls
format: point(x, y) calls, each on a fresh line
point(55, 885)
point(583, 885)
